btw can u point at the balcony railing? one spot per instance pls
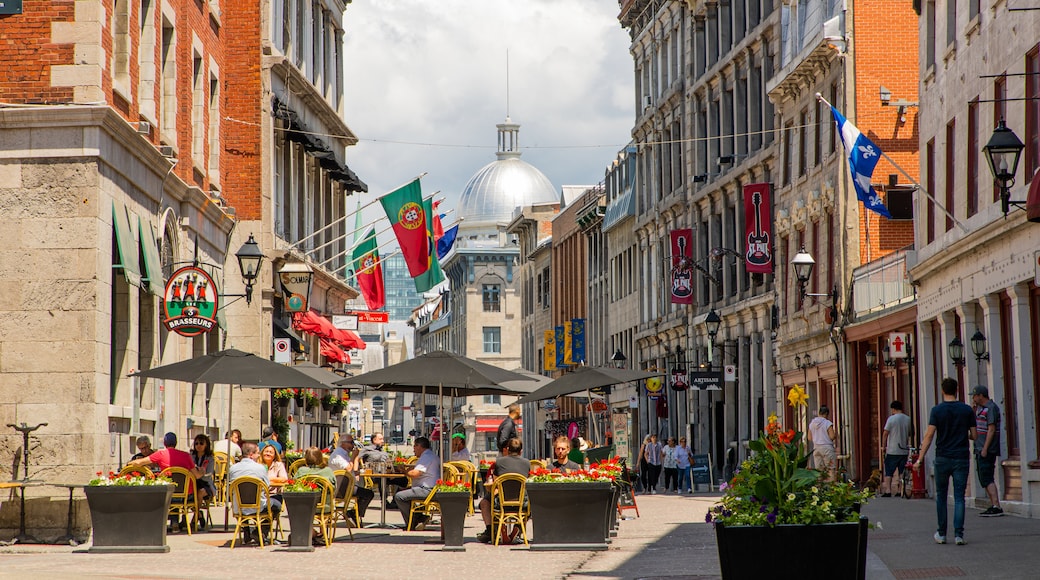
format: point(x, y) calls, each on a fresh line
point(882, 283)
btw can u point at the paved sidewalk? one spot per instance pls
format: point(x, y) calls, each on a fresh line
point(668, 540)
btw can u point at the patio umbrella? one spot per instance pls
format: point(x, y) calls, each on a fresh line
point(585, 378)
point(459, 375)
point(234, 367)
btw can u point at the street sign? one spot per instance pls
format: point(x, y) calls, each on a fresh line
point(282, 352)
point(897, 343)
point(730, 373)
point(706, 380)
point(378, 317)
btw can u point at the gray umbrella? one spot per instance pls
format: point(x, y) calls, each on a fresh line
point(456, 374)
point(585, 378)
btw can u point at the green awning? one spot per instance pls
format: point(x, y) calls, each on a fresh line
point(152, 265)
point(129, 261)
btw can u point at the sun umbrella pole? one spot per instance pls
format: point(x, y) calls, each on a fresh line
point(590, 416)
point(231, 459)
point(440, 419)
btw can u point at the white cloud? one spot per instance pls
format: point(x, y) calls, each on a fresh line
point(434, 72)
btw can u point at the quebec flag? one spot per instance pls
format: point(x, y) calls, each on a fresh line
point(863, 156)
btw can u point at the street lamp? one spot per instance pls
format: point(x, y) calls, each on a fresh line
point(871, 357)
point(956, 351)
point(712, 322)
point(803, 263)
point(1003, 153)
point(249, 260)
point(978, 346)
point(618, 358)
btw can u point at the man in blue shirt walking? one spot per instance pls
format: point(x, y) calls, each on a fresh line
point(952, 425)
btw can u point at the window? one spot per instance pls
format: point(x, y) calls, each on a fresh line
point(973, 157)
point(492, 399)
point(929, 164)
point(787, 154)
point(491, 293)
point(951, 168)
point(951, 22)
point(929, 49)
point(491, 442)
point(1032, 111)
point(545, 292)
point(492, 339)
point(999, 114)
point(803, 141)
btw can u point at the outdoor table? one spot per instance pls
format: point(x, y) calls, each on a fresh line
point(22, 537)
point(386, 477)
point(68, 538)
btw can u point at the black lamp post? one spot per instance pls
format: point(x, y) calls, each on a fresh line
point(1003, 153)
point(871, 357)
point(712, 322)
point(956, 351)
point(618, 358)
point(249, 260)
point(978, 346)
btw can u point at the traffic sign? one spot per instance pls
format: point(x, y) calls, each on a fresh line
point(378, 317)
point(897, 343)
point(282, 351)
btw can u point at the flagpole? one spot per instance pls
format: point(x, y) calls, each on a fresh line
point(355, 231)
point(318, 231)
point(919, 187)
point(358, 242)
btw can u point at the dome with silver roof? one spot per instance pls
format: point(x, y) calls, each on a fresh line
point(494, 192)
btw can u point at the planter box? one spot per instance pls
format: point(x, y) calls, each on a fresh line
point(128, 518)
point(454, 508)
point(301, 506)
point(822, 550)
point(570, 516)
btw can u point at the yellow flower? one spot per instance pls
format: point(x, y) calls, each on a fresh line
point(797, 396)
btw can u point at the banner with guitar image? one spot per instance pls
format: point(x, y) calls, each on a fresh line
point(682, 270)
point(758, 222)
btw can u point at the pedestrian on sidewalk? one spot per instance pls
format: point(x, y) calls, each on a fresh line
point(951, 424)
point(825, 456)
point(652, 456)
point(671, 470)
point(894, 440)
point(987, 446)
point(642, 467)
point(682, 463)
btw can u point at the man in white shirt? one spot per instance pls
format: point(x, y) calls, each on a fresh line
point(822, 432)
point(424, 475)
point(345, 455)
point(230, 445)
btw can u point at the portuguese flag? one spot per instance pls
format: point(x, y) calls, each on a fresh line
point(433, 275)
point(404, 208)
point(369, 272)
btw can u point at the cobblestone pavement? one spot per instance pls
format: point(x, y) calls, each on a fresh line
point(668, 540)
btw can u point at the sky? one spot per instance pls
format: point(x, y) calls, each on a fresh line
point(426, 82)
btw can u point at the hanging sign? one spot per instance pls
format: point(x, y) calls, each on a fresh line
point(190, 302)
point(654, 388)
point(680, 378)
point(706, 380)
point(682, 275)
point(759, 227)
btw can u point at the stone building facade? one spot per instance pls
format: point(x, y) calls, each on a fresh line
point(976, 273)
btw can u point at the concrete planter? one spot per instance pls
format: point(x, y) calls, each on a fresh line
point(301, 506)
point(454, 508)
point(570, 516)
point(129, 518)
point(837, 550)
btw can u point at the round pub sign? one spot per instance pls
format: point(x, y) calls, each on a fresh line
point(190, 302)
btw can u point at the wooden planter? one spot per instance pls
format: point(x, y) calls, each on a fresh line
point(454, 508)
point(129, 518)
point(820, 550)
point(301, 506)
point(570, 516)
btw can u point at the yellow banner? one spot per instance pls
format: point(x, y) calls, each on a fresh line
point(568, 351)
point(549, 353)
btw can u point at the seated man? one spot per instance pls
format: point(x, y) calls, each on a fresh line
point(249, 466)
point(459, 451)
point(424, 475)
point(144, 447)
point(510, 462)
point(168, 457)
point(561, 449)
point(345, 457)
point(270, 438)
point(230, 445)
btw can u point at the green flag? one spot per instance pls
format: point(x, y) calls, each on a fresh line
point(433, 275)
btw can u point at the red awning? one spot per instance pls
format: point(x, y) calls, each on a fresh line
point(489, 424)
point(316, 324)
point(332, 352)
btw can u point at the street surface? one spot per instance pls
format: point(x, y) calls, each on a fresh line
point(668, 540)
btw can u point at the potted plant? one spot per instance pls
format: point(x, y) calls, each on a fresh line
point(310, 399)
point(128, 512)
point(328, 401)
point(453, 498)
point(572, 509)
point(282, 397)
point(775, 503)
point(341, 402)
point(301, 500)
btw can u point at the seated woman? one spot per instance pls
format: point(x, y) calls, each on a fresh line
point(272, 460)
point(205, 464)
point(316, 466)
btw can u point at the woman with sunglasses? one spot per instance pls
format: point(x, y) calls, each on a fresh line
point(205, 463)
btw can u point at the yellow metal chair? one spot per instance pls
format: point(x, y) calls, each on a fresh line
point(294, 467)
point(509, 504)
point(537, 464)
point(246, 495)
point(468, 473)
point(345, 502)
point(220, 468)
point(325, 511)
point(185, 501)
point(143, 471)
